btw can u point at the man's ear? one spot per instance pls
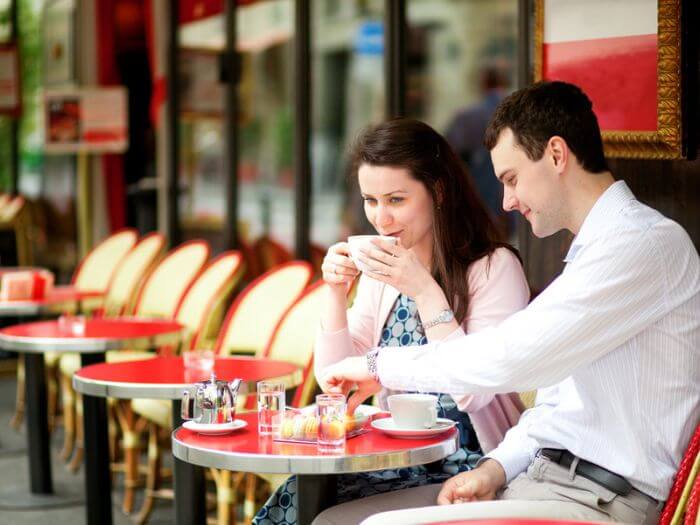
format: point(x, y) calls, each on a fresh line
point(558, 152)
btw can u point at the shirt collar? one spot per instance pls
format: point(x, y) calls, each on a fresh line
point(607, 206)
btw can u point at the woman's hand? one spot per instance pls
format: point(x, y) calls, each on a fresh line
point(338, 269)
point(395, 265)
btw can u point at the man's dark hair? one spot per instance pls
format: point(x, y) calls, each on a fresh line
point(536, 113)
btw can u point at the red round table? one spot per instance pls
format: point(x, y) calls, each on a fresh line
point(60, 299)
point(100, 335)
point(244, 450)
point(516, 521)
point(166, 378)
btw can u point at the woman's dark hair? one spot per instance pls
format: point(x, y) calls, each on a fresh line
point(537, 113)
point(462, 227)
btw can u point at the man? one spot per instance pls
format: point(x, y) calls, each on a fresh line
point(613, 344)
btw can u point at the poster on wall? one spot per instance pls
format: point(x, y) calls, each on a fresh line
point(10, 92)
point(91, 120)
point(626, 55)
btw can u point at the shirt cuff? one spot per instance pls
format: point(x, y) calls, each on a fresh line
point(512, 460)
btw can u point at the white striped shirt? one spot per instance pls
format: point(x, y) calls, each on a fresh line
point(615, 341)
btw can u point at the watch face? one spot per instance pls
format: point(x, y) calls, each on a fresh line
point(446, 315)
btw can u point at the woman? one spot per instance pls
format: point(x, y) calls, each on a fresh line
point(448, 271)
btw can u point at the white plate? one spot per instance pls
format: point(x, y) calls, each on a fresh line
point(214, 429)
point(388, 426)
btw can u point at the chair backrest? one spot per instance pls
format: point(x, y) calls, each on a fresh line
point(270, 253)
point(208, 292)
point(294, 336)
point(692, 514)
point(97, 268)
point(12, 208)
point(254, 314)
point(131, 272)
point(688, 473)
point(164, 289)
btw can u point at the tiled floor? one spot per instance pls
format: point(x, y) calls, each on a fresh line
point(14, 473)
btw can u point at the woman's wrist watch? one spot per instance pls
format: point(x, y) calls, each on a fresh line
point(443, 317)
point(371, 358)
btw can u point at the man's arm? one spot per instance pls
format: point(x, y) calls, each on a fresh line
point(606, 297)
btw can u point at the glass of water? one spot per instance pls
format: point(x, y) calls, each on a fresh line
point(271, 407)
point(331, 410)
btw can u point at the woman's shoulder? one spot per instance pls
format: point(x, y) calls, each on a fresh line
point(500, 259)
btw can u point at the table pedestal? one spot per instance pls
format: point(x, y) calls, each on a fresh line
point(190, 496)
point(315, 493)
point(98, 481)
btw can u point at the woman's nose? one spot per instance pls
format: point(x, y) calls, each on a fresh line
point(384, 216)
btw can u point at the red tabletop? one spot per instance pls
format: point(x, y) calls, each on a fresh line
point(165, 377)
point(244, 450)
point(60, 298)
point(100, 335)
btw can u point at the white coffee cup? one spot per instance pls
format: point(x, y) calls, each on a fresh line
point(413, 411)
point(364, 242)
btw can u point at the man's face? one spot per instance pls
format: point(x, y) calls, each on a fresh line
point(530, 187)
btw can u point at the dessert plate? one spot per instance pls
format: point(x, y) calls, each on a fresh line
point(214, 429)
point(388, 426)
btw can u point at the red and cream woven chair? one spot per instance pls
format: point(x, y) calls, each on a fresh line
point(248, 327)
point(677, 503)
point(121, 294)
point(292, 341)
point(159, 297)
point(93, 273)
point(199, 314)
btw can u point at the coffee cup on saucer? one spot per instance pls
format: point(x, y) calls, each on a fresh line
point(413, 411)
point(364, 242)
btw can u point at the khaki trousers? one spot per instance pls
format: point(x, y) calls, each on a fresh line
point(546, 490)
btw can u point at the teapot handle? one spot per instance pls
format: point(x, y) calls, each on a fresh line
point(187, 406)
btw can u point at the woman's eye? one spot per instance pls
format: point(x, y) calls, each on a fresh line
point(369, 200)
point(395, 200)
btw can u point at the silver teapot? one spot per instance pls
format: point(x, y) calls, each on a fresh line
point(210, 401)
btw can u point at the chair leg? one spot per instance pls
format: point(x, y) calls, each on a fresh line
point(131, 427)
point(78, 450)
point(68, 399)
point(152, 475)
point(51, 397)
point(18, 416)
point(224, 495)
point(249, 504)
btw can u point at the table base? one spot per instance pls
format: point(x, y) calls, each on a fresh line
point(98, 483)
point(190, 500)
point(315, 494)
point(40, 482)
point(17, 498)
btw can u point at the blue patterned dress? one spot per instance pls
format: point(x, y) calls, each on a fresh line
point(403, 328)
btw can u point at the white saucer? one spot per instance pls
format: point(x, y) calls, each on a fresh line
point(388, 426)
point(214, 429)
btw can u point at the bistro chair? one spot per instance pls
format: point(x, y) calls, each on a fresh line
point(677, 502)
point(121, 293)
point(270, 253)
point(198, 314)
point(159, 297)
point(293, 341)
point(93, 273)
point(248, 327)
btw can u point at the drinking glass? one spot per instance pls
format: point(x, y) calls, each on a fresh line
point(198, 360)
point(331, 410)
point(73, 324)
point(271, 407)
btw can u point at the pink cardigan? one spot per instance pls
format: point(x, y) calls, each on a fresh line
point(497, 287)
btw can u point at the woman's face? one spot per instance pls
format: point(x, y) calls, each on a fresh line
point(396, 204)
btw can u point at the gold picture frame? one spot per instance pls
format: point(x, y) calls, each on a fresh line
point(666, 141)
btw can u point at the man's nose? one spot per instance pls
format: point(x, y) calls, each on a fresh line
point(510, 203)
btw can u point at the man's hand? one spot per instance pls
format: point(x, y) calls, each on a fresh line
point(342, 376)
point(480, 484)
